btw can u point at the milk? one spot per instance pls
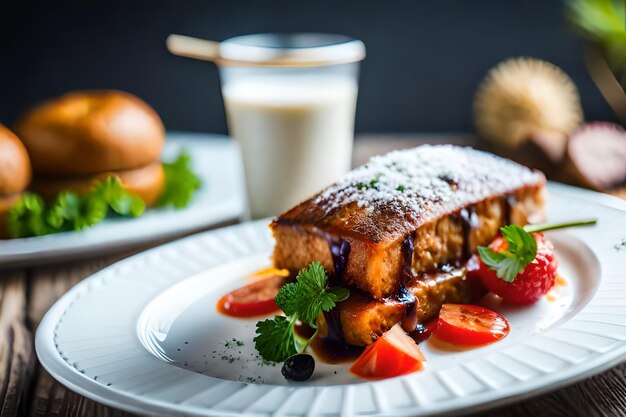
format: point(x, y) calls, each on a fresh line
point(295, 134)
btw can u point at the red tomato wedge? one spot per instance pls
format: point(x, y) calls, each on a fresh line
point(255, 299)
point(469, 325)
point(393, 354)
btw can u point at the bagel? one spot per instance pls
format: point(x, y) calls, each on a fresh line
point(146, 183)
point(91, 132)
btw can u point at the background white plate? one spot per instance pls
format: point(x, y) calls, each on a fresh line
point(222, 197)
point(119, 336)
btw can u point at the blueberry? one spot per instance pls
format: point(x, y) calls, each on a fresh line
point(299, 367)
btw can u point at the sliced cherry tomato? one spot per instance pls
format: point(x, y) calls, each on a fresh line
point(393, 354)
point(469, 325)
point(255, 299)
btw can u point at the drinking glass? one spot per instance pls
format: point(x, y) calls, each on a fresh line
point(290, 103)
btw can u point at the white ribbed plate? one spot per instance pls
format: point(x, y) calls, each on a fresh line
point(142, 335)
point(217, 162)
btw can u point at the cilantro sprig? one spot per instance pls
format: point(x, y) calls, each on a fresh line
point(303, 300)
point(522, 248)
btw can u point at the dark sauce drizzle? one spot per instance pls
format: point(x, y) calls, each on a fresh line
point(409, 321)
point(421, 333)
point(340, 251)
point(326, 350)
point(333, 352)
point(468, 220)
point(333, 348)
point(408, 247)
point(508, 201)
point(334, 332)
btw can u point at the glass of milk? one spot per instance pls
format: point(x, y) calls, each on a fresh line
point(290, 103)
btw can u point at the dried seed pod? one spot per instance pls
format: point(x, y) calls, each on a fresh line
point(524, 98)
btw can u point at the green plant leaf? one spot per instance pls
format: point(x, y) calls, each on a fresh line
point(274, 339)
point(180, 182)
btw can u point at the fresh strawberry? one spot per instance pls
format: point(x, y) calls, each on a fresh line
point(529, 285)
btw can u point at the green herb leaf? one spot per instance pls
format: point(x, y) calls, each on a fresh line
point(522, 249)
point(603, 21)
point(180, 182)
point(340, 293)
point(275, 339)
point(373, 183)
point(62, 212)
point(70, 211)
point(123, 203)
point(309, 296)
point(312, 296)
point(302, 300)
point(312, 279)
point(288, 300)
point(128, 206)
point(26, 217)
point(521, 243)
point(92, 210)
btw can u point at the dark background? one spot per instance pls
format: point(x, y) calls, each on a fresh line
point(424, 61)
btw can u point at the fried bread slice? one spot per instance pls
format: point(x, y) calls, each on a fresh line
point(407, 213)
point(360, 320)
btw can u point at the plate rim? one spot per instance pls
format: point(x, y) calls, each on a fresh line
point(83, 385)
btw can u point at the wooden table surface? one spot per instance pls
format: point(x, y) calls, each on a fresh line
point(26, 294)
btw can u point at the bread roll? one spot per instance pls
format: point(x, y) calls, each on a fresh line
point(85, 133)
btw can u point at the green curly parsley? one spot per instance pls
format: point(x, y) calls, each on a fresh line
point(302, 300)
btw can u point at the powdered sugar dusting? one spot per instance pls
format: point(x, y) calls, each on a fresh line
point(422, 179)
